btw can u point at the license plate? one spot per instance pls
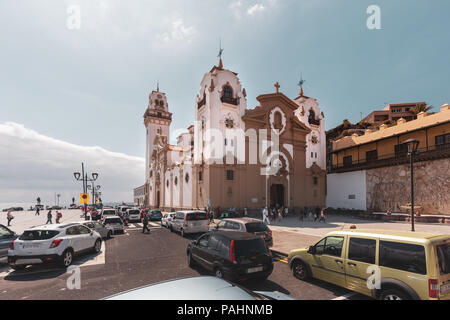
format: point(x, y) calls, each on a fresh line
point(256, 269)
point(445, 288)
point(31, 245)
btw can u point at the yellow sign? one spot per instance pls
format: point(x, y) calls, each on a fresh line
point(84, 198)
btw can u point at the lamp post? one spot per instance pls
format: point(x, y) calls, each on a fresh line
point(85, 179)
point(412, 150)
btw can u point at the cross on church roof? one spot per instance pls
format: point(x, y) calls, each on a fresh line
point(220, 55)
point(277, 86)
point(300, 84)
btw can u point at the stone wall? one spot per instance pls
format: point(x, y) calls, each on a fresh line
point(390, 187)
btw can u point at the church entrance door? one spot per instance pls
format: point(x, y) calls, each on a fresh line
point(277, 195)
point(157, 199)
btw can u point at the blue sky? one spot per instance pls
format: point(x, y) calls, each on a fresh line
point(89, 87)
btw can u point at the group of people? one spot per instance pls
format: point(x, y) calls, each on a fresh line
point(10, 217)
point(310, 213)
point(276, 212)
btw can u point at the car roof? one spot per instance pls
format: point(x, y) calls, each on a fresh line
point(192, 211)
point(243, 220)
point(52, 226)
point(236, 235)
point(393, 234)
point(206, 288)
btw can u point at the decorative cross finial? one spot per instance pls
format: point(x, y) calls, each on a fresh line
point(277, 86)
point(220, 55)
point(300, 84)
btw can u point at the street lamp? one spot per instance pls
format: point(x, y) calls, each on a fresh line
point(412, 145)
point(85, 179)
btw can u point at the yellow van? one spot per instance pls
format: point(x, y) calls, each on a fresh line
point(386, 265)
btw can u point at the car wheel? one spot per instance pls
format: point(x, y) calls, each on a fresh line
point(218, 273)
point(299, 270)
point(191, 261)
point(108, 236)
point(18, 267)
point(67, 258)
point(97, 246)
point(394, 294)
point(171, 229)
point(182, 232)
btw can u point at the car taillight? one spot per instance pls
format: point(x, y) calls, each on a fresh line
point(55, 243)
point(11, 245)
point(433, 286)
point(232, 252)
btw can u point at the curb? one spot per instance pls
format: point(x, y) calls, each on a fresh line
point(279, 253)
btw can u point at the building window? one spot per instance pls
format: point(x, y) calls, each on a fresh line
point(175, 181)
point(348, 161)
point(151, 173)
point(186, 178)
point(167, 183)
point(401, 150)
point(225, 141)
point(315, 180)
point(227, 92)
point(312, 154)
point(230, 175)
point(371, 155)
point(200, 176)
point(316, 155)
point(442, 141)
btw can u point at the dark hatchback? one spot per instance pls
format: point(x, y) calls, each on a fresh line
point(154, 215)
point(236, 256)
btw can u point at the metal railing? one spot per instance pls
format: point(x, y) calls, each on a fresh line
point(401, 157)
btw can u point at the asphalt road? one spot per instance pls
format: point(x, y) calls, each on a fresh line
point(134, 259)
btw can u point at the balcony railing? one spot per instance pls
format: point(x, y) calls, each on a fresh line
point(401, 157)
point(158, 115)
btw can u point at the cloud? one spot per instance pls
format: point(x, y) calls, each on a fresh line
point(179, 31)
point(255, 9)
point(35, 165)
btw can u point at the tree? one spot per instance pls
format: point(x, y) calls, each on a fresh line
point(421, 107)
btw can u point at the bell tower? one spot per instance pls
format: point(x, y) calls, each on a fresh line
point(157, 120)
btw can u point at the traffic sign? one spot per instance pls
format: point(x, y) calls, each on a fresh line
point(84, 198)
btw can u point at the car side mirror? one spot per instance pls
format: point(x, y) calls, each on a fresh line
point(312, 250)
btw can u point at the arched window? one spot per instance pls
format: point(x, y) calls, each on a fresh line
point(312, 116)
point(161, 103)
point(227, 92)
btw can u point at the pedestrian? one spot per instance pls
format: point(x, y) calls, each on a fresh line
point(280, 216)
point(145, 222)
point(245, 212)
point(286, 212)
point(316, 214)
point(37, 211)
point(49, 217)
point(9, 217)
point(322, 215)
point(266, 216)
point(58, 216)
point(310, 214)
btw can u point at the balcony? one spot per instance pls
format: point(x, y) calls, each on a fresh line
point(158, 114)
point(401, 157)
point(229, 100)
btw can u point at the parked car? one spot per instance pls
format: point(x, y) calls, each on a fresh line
point(187, 222)
point(121, 210)
point(114, 223)
point(207, 288)
point(167, 218)
point(154, 215)
point(133, 215)
point(52, 243)
point(108, 212)
point(411, 265)
point(144, 212)
point(100, 228)
point(249, 225)
point(227, 213)
point(236, 256)
point(6, 237)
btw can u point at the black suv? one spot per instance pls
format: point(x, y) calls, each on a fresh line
point(236, 256)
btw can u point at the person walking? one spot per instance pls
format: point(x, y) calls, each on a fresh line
point(37, 211)
point(245, 212)
point(9, 217)
point(58, 216)
point(49, 217)
point(266, 216)
point(286, 212)
point(316, 214)
point(280, 215)
point(145, 222)
point(322, 215)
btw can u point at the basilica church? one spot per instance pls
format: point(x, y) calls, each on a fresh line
point(232, 156)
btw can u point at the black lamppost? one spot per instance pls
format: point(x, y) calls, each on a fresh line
point(85, 179)
point(412, 150)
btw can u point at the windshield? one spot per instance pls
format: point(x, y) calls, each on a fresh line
point(117, 220)
point(109, 212)
point(443, 252)
point(250, 247)
point(256, 227)
point(133, 212)
point(38, 235)
point(155, 212)
point(196, 216)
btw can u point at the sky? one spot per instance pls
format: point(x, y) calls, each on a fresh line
point(83, 91)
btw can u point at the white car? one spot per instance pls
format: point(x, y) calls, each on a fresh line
point(186, 222)
point(52, 243)
point(166, 220)
point(115, 224)
point(133, 215)
point(107, 212)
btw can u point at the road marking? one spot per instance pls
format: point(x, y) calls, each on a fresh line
point(346, 296)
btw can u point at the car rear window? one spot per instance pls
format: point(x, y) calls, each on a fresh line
point(155, 212)
point(403, 256)
point(256, 227)
point(245, 248)
point(116, 220)
point(196, 216)
point(38, 235)
point(443, 252)
point(133, 212)
point(109, 212)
